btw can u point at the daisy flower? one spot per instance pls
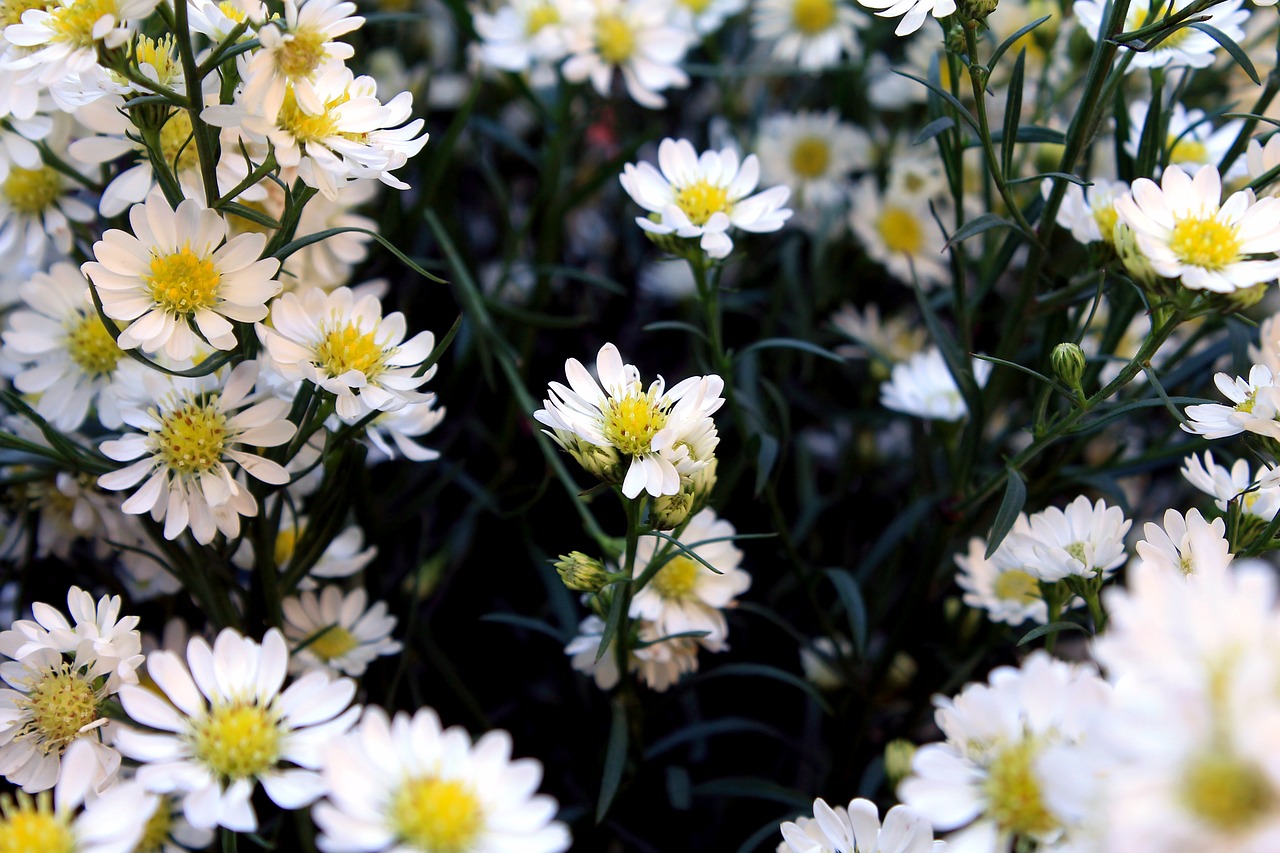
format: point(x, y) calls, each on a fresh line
point(704, 17)
point(225, 725)
point(391, 434)
point(651, 426)
point(658, 661)
point(813, 34)
point(912, 12)
point(1186, 46)
point(293, 55)
point(1084, 540)
point(1187, 232)
point(188, 442)
point(1089, 212)
point(67, 355)
point(1006, 592)
point(891, 340)
point(1260, 159)
point(61, 41)
point(1190, 138)
point(634, 37)
point(521, 35)
point(406, 784)
point(899, 232)
point(178, 280)
point(857, 829)
point(1236, 483)
point(703, 195)
point(813, 154)
point(168, 831)
point(345, 346)
point(37, 207)
point(1187, 544)
point(685, 596)
point(337, 633)
point(922, 386)
point(1256, 407)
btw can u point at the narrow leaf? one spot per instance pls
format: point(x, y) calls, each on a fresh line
point(792, 343)
point(527, 622)
point(765, 460)
point(1013, 39)
point(761, 670)
point(1052, 628)
point(961, 109)
point(854, 607)
point(1015, 496)
point(1012, 112)
point(1237, 52)
point(976, 226)
point(611, 623)
point(615, 760)
point(933, 128)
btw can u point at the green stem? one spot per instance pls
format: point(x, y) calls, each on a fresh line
point(205, 148)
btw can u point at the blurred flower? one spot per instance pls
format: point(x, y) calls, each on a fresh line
point(813, 154)
point(1190, 138)
point(1089, 213)
point(1007, 592)
point(857, 829)
point(1185, 46)
point(892, 340)
point(659, 661)
point(521, 35)
point(1186, 544)
point(922, 386)
point(1227, 485)
point(340, 633)
point(912, 12)
point(899, 233)
point(813, 34)
point(635, 37)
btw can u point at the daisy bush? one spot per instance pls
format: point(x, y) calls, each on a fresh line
point(521, 426)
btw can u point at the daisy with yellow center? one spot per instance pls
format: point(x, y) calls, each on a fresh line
point(61, 40)
point(637, 38)
point(1187, 46)
point(1008, 594)
point(406, 784)
point(522, 35)
point(813, 34)
point(37, 207)
point(703, 196)
point(338, 633)
point(188, 446)
point(1089, 213)
point(899, 232)
point(178, 281)
point(1191, 138)
point(227, 725)
point(294, 53)
point(813, 154)
point(1187, 232)
point(345, 346)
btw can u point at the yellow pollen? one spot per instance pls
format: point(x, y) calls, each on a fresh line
point(436, 815)
point(177, 142)
point(700, 200)
point(232, 11)
point(1017, 586)
point(74, 22)
point(92, 348)
point(813, 16)
point(676, 580)
point(1227, 792)
point(159, 54)
point(301, 54)
point(1106, 217)
point(696, 6)
point(631, 422)
point(900, 230)
point(237, 741)
point(303, 127)
point(1013, 795)
point(347, 348)
point(61, 704)
point(156, 833)
point(31, 825)
point(11, 10)
point(810, 157)
point(191, 438)
point(1187, 150)
point(614, 39)
point(183, 283)
point(335, 642)
point(543, 16)
point(1205, 243)
point(1247, 405)
point(32, 191)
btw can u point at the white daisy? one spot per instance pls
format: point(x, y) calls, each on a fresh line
point(1256, 407)
point(922, 386)
point(813, 154)
point(813, 34)
point(406, 784)
point(890, 340)
point(292, 56)
point(226, 725)
point(1190, 138)
point(1187, 46)
point(1006, 592)
point(1226, 485)
point(178, 280)
point(652, 426)
point(337, 633)
point(635, 37)
point(1260, 159)
point(216, 20)
point(95, 632)
point(168, 831)
point(391, 434)
point(345, 346)
point(658, 662)
point(62, 40)
point(188, 443)
point(912, 12)
point(37, 207)
point(1186, 231)
point(899, 232)
point(857, 829)
point(704, 195)
point(1187, 544)
point(1089, 213)
point(521, 35)
point(67, 355)
point(1085, 540)
point(705, 17)
point(685, 596)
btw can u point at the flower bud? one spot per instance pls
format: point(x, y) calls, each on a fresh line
point(604, 463)
point(977, 10)
point(1135, 263)
point(670, 511)
point(1068, 363)
point(581, 573)
point(898, 755)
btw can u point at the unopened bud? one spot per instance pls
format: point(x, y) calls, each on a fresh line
point(670, 511)
point(703, 482)
point(955, 42)
point(1245, 297)
point(1068, 363)
point(898, 755)
point(581, 573)
point(604, 463)
point(977, 10)
point(1135, 262)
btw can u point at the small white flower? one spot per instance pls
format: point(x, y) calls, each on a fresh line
point(1260, 159)
point(392, 434)
point(1256, 407)
point(1084, 540)
point(1190, 138)
point(813, 34)
point(521, 35)
point(658, 662)
point(1186, 46)
point(912, 12)
point(813, 154)
point(339, 633)
point(1226, 485)
point(62, 40)
point(1189, 544)
point(899, 231)
point(635, 37)
point(1089, 213)
point(1006, 592)
point(37, 207)
point(705, 17)
point(1185, 230)
point(857, 829)
point(227, 726)
point(410, 786)
point(704, 195)
point(891, 340)
point(923, 386)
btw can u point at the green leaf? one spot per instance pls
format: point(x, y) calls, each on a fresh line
point(854, 607)
point(904, 524)
point(1015, 497)
point(1052, 628)
point(952, 100)
point(792, 343)
point(1012, 112)
point(615, 759)
point(977, 225)
point(1029, 133)
point(933, 128)
point(711, 728)
point(1237, 52)
point(1062, 176)
point(766, 457)
point(675, 326)
point(760, 670)
point(752, 787)
point(1015, 366)
point(611, 622)
point(527, 622)
point(302, 242)
point(1011, 40)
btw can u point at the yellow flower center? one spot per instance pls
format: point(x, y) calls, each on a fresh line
point(1187, 150)
point(1076, 550)
point(232, 11)
point(615, 40)
point(696, 6)
point(11, 10)
point(191, 438)
point(813, 16)
point(900, 230)
point(335, 642)
point(31, 825)
point(74, 22)
point(700, 200)
point(1227, 792)
point(92, 348)
point(347, 348)
point(183, 282)
point(286, 542)
point(32, 191)
point(1246, 406)
point(1106, 217)
point(156, 833)
point(159, 54)
point(303, 127)
point(1017, 586)
point(543, 16)
point(631, 422)
point(676, 580)
point(60, 704)
point(437, 815)
point(237, 741)
point(810, 157)
point(1205, 243)
point(177, 142)
point(1013, 792)
point(301, 54)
